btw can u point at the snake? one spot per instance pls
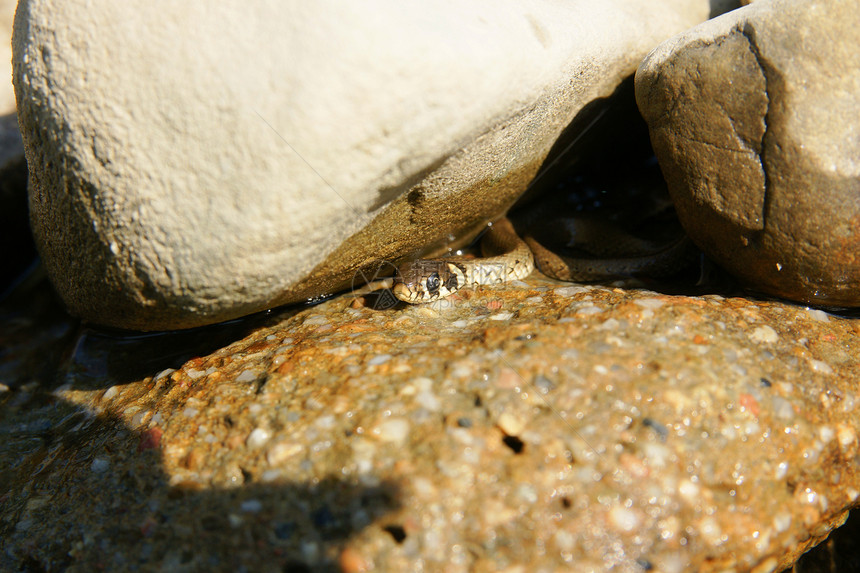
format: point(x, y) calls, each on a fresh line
point(509, 257)
point(506, 257)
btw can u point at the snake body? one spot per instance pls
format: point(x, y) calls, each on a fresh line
point(602, 211)
point(507, 257)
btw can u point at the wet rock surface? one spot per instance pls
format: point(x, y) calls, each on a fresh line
point(754, 118)
point(191, 166)
point(538, 426)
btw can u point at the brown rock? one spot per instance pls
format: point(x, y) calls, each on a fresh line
point(754, 117)
point(609, 437)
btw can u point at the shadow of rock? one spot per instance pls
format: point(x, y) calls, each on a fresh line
point(19, 249)
point(83, 490)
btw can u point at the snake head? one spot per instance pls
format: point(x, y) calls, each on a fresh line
point(427, 280)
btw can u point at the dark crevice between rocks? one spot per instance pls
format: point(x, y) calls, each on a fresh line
point(610, 179)
point(19, 248)
point(837, 554)
point(296, 567)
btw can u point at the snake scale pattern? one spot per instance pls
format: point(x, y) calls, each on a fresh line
point(507, 257)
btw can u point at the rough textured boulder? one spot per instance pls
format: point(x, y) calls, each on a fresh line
point(191, 164)
point(529, 428)
point(7, 96)
point(754, 117)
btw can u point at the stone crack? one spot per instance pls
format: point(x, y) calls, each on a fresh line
point(749, 33)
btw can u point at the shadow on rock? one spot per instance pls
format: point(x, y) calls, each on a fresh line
point(837, 554)
point(19, 250)
point(79, 489)
point(85, 490)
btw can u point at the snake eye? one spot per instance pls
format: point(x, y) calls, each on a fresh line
point(433, 283)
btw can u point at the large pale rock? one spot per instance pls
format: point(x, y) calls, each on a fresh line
point(755, 118)
point(7, 96)
point(193, 163)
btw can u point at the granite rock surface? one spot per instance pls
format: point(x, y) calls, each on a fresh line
point(755, 119)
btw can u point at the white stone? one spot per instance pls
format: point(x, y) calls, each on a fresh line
point(650, 303)
point(282, 451)
point(395, 430)
point(623, 519)
point(764, 333)
point(195, 374)
point(246, 376)
point(510, 424)
point(820, 366)
point(227, 155)
point(258, 437)
point(571, 290)
point(379, 359)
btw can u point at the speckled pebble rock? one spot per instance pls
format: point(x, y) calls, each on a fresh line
point(754, 117)
point(534, 428)
point(191, 165)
